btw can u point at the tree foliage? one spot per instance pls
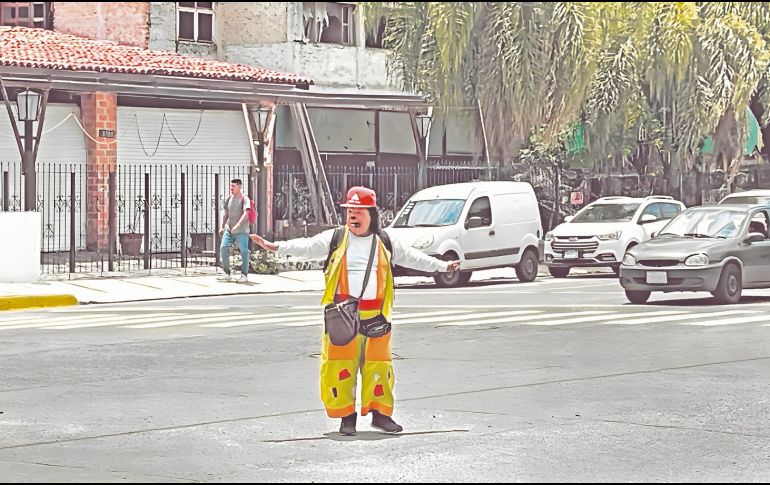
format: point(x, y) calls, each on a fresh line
point(651, 80)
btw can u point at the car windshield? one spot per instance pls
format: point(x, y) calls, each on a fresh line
point(607, 213)
point(714, 223)
point(430, 213)
point(747, 199)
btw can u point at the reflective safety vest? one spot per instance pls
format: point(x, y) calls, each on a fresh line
point(336, 278)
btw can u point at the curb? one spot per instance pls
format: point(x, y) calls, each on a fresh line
point(36, 301)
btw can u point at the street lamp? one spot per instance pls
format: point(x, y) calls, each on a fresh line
point(261, 120)
point(28, 108)
point(423, 130)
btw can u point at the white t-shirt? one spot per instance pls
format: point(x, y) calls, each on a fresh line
point(317, 247)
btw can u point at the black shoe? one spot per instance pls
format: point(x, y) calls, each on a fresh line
point(348, 426)
point(385, 423)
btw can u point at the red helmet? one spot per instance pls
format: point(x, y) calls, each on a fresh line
point(360, 197)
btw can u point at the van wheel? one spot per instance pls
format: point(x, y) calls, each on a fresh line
point(453, 279)
point(526, 270)
point(557, 272)
point(730, 286)
point(638, 296)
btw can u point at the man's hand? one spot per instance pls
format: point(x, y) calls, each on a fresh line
point(453, 266)
point(221, 230)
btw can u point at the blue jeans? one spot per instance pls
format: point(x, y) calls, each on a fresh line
point(224, 250)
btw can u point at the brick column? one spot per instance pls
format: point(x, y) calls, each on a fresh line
point(99, 112)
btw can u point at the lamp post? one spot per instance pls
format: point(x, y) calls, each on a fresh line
point(261, 120)
point(423, 129)
point(28, 108)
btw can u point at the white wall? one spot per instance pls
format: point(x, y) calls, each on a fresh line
point(20, 254)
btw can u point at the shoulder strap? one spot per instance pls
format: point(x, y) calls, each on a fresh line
point(336, 238)
point(386, 241)
point(372, 251)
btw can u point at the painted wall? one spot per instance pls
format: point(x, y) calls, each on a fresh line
point(124, 22)
point(20, 254)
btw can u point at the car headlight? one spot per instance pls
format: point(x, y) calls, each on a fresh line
point(549, 236)
point(609, 237)
point(423, 242)
point(629, 260)
point(697, 260)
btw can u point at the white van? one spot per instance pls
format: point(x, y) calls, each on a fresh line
point(483, 224)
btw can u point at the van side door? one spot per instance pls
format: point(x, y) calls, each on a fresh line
point(478, 235)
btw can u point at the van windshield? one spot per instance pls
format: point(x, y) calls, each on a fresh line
point(430, 213)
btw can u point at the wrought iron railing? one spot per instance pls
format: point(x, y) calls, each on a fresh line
point(172, 211)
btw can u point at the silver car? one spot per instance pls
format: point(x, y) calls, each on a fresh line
point(721, 249)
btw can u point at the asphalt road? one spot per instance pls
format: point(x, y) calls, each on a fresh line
point(556, 380)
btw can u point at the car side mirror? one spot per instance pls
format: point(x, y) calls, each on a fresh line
point(754, 237)
point(474, 222)
point(647, 218)
point(652, 236)
point(569, 218)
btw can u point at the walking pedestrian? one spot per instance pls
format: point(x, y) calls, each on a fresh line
point(359, 268)
point(235, 229)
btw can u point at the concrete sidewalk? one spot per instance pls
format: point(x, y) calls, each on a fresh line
point(180, 283)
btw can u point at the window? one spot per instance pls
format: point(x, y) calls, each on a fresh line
point(377, 38)
point(481, 208)
point(430, 213)
point(329, 22)
point(606, 213)
point(670, 211)
point(26, 14)
point(759, 224)
point(654, 210)
point(195, 21)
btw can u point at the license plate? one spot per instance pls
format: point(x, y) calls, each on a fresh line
point(657, 277)
point(571, 254)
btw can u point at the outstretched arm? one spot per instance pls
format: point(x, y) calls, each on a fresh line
point(316, 247)
point(409, 257)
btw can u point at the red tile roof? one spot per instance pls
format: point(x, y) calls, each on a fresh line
point(26, 47)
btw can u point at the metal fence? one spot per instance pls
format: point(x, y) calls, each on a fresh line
point(441, 172)
point(393, 185)
point(172, 209)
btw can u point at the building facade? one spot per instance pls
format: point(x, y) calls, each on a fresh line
point(324, 41)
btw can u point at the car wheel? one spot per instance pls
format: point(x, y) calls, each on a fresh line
point(526, 270)
point(730, 286)
point(558, 272)
point(638, 297)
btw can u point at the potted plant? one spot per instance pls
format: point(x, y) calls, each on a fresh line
point(131, 242)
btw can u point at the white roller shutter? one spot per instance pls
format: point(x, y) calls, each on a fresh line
point(182, 136)
point(61, 142)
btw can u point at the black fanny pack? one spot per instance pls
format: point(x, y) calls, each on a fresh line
point(375, 327)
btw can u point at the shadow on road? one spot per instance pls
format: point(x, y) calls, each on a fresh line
point(705, 301)
point(365, 436)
